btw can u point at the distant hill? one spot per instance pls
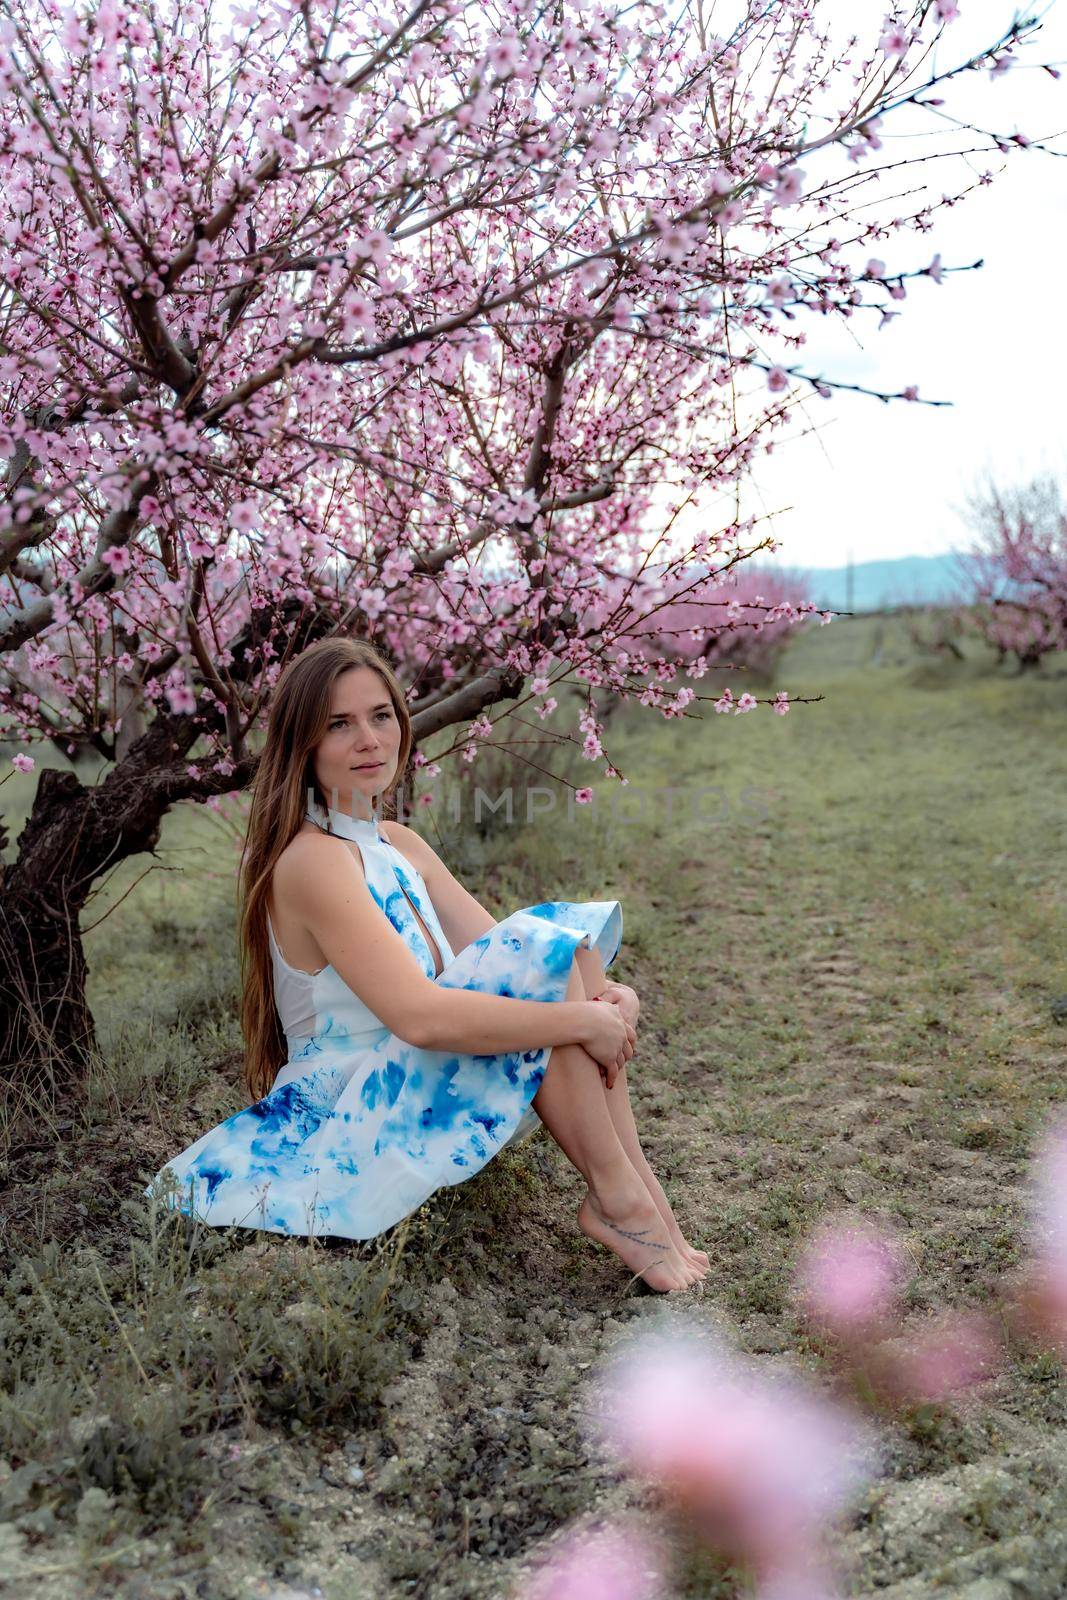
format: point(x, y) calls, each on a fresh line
point(881, 585)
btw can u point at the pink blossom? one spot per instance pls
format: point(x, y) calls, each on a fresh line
point(504, 54)
point(781, 703)
point(747, 702)
point(777, 379)
point(802, 1575)
point(934, 270)
point(725, 701)
point(850, 1277)
point(372, 602)
point(947, 10)
point(760, 1462)
point(607, 1563)
point(181, 699)
point(1048, 1233)
point(22, 762)
point(117, 558)
point(244, 515)
point(875, 268)
point(938, 1363)
point(911, 392)
point(894, 42)
point(788, 189)
point(583, 796)
point(1049, 1175)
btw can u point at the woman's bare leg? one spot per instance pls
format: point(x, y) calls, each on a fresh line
point(620, 1110)
point(621, 1113)
point(618, 1211)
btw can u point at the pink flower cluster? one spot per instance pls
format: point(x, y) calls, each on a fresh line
point(760, 1466)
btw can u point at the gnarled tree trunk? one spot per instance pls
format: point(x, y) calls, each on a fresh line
point(74, 834)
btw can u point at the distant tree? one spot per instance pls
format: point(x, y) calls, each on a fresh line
point(937, 629)
point(740, 618)
point(1019, 568)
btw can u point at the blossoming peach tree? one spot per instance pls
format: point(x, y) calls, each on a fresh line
point(1018, 569)
point(414, 321)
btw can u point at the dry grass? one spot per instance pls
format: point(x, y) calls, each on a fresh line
point(848, 983)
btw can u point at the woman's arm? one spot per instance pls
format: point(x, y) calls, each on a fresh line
point(326, 885)
point(464, 919)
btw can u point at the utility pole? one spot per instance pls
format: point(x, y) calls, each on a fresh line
point(849, 583)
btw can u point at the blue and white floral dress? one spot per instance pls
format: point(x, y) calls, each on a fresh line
point(360, 1127)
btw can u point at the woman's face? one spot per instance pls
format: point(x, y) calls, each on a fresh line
point(363, 729)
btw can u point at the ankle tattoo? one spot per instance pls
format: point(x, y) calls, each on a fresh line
point(638, 1238)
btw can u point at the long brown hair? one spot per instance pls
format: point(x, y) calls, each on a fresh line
point(298, 717)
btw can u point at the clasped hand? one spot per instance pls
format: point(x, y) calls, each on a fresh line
point(610, 1049)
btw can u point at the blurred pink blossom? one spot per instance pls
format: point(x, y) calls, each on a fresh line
point(761, 1463)
point(181, 699)
point(850, 1277)
point(806, 1577)
point(1048, 1233)
point(606, 1563)
point(894, 42)
point(959, 1350)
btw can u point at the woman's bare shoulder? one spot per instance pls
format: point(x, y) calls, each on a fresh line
point(308, 849)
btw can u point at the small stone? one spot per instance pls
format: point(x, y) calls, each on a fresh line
point(542, 1445)
point(389, 1476)
point(354, 1475)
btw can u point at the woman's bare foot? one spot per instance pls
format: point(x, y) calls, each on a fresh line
point(698, 1259)
point(632, 1226)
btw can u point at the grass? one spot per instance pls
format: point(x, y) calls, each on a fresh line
point(849, 952)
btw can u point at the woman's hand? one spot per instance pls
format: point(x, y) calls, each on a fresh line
point(608, 1037)
point(621, 995)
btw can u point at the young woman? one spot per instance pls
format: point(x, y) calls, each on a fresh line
point(397, 1036)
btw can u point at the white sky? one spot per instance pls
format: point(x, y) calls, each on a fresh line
point(882, 481)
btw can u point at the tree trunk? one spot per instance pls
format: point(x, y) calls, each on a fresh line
point(74, 834)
